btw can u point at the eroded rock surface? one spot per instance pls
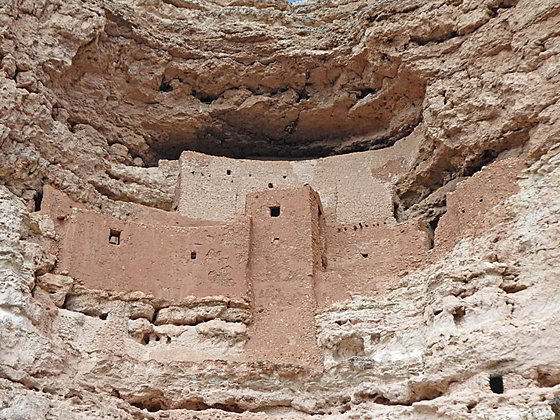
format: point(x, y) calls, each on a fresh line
point(98, 99)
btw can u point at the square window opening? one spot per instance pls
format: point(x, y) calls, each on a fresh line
point(274, 211)
point(114, 237)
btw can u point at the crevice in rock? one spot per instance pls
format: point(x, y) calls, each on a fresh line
point(185, 5)
point(303, 95)
point(507, 4)
point(471, 405)
point(29, 383)
point(37, 200)
point(204, 97)
point(432, 225)
point(421, 41)
point(118, 16)
point(458, 315)
point(427, 40)
point(362, 93)
point(108, 192)
point(154, 317)
point(384, 15)
point(152, 407)
point(376, 398)
point(196, 404)
point(165, 86)
point(511, 282)
point(485, 158)
point(193, 314)
point(116, 177)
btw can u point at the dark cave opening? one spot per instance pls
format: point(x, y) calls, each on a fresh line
point(253, 146)
point(486, 157)
point(165, 87)
point(151, 407)
point(242, 147)
point(497, 384)
point(362, 93)
point(38, 200)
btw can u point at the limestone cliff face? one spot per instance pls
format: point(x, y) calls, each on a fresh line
point(99, 98)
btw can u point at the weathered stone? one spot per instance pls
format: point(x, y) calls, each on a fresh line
point(420, 282)
point(56, 285)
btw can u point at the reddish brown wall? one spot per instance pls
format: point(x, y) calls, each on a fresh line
point(289, 266)
point(152, 258)
point(478, 202)
point(367, 257)
point(285, 255)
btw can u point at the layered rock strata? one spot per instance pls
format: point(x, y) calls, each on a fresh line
point(454, 313)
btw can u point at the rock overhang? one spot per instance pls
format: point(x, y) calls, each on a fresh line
point(283, 97)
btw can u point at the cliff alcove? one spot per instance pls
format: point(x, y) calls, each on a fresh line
point(260, 209)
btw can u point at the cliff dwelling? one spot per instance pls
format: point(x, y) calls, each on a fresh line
point(283, 238)
point(279, 240)
point(277, 209)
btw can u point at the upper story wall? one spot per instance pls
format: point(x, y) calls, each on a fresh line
point(352, 187)
point(286, 234)
point(368, 257)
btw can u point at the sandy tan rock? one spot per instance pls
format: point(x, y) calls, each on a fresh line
point(99, 99)
point(56, 285)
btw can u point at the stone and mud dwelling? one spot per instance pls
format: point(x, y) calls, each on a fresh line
point(263, 209)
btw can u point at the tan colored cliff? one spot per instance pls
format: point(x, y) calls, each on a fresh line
point(260, 209)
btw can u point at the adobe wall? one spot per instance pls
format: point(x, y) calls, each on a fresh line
point(59, 206)
point(167, 261)
point(280, 256)
point(478, 202)
point(352, 187)
point(368, 257)
point(286, 252)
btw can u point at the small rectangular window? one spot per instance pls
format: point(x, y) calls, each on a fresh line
point(275, 211)
point(497, 384)
point(193, 255)
point(114, 237)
